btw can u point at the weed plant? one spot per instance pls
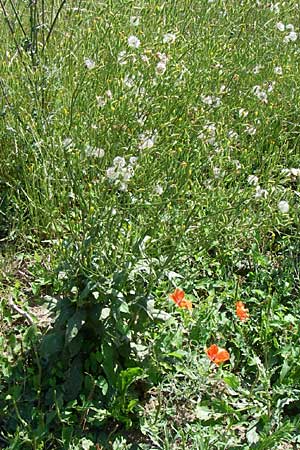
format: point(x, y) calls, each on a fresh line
point(150, 173)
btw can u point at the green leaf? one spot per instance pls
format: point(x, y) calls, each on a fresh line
point(101, 382)
point(231, 380)
point(51, 344)
point(74, 379)
point(74, 324)
point(284, 370)
point(109, 361)
point(128, 376)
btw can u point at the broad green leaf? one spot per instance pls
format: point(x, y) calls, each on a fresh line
point(74, 324)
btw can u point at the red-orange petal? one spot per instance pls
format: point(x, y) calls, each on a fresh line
point(177, 296)
point(187, 304)
point(212, 351)
point(241, 311)
point(221, 356)
point(217, 355)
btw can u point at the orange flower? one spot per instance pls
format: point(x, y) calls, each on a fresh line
point(216, 354)
point(178, 297)
point(241, 311)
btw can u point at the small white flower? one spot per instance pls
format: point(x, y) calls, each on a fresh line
point(147, 140)
point(280, 26)
point(169, 38)
point(162, 57)
point(94, 152)
point(211, 100)
point(262, 96)
point(133, 42)
point(158, 189)
point(122, 58)
point(119, 162)
point(250, 130)
point(122, 187)
point(67, 142)
point(256, 69)
point(290, 27)
point(283, 207)
point(145, 58)
point(274, 7)
point(160, 68)
point(134, 21)
point(260, 193)
point(291, 37)
point(232, 135)
point(111, 174)
point(217, 172)
point(237, 164)
point(108, 94)
point(295, 172)
point(129, 81)
point(278, 70)
point(243, 113)
point(252, 179)
point(133, 160)
point(101, 101)
point(89, 63)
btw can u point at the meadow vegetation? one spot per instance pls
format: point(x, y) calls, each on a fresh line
point(149, 224)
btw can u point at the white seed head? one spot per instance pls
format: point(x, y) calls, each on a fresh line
point(283, 207)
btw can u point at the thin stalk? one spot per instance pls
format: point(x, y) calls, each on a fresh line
point(54, 22)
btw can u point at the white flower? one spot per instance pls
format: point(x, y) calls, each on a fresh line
point(232, 135)
point(283, 207)
point(122, 187)
point(108, 94)
point(253, 179)
point(217, 172)
point(129, 81)
point(133, 42)
point(158, 189)
point(256, 69)
point(295, 172)
point(290, 27)
point(169, 38)
point(122, 58)
point(162, 57)
point(94, 152)
point(237, 164)
point(211, 100)
point(111, 174)
point(145, 58)
point(291, 37)
point(101, 101)
point(262, 96)
point(127, 173)
point(67, 142)
point(260, 193)
point(119, 162)
point(133, 160)
point(243, 112)
point(147, 140)
point(134, 21)
point(278, 70)
point(280, 26)
point(160, 68)
point(274, 7)
point(89, 63)
point(250, 130)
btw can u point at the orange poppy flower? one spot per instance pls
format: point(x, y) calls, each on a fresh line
point(241, 311)
point(217, 355)
point(178, 296)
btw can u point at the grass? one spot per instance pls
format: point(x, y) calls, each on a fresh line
point(145, 147)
